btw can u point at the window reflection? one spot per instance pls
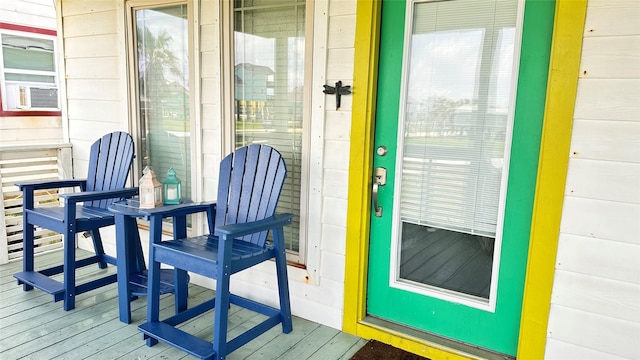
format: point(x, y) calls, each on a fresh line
point(269, 53)
point(163, 87)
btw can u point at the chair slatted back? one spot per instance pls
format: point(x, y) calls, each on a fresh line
point(109, 165)
point(251, 179)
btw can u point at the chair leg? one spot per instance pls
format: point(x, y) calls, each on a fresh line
point(222, 298)
point(221, 316)
point(123, 265)
point(283, 284)
point(27, 251)
point(153, 292)
point(99, 249)
point(181, 292)
point(69, 271)
point(153, 296)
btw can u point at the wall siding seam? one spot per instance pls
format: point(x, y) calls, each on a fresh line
point(596, 314)
point(602, 200)
point(615, 241)
point(591, 275)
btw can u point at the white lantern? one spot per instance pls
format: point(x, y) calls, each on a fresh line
point(150, 190)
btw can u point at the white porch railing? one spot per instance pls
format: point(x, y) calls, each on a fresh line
point(29, 163)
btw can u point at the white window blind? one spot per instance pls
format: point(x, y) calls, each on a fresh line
point(457, 109)
point(269, 43)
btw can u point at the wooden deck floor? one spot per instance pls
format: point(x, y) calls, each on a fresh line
point(32, 326)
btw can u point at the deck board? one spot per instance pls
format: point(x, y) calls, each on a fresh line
point(33, 326)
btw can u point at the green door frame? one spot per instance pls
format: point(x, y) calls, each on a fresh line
point(552, 171)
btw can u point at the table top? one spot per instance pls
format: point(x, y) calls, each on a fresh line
point(131, 207)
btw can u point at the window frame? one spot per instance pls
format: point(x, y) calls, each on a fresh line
point(129, 7)
point(33, 32)
point(299, 258)
point(395, 279)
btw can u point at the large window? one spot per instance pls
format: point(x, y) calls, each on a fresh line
point(28, 64)
point(458, 106)
point(270, 93)
point(162, 90)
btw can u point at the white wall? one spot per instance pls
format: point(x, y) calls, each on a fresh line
point(33, 13)
point(595, 306)
point(96, 73)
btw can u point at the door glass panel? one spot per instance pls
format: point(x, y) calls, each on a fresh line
point(269, 50)
point(457, 106)
point(163, 91)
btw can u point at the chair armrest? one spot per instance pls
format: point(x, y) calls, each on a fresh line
point(178, 210)
point(50, 184)
point(237, 230)
point(99, 195)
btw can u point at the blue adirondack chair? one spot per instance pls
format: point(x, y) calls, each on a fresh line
point(85, 211)
point(250, 182)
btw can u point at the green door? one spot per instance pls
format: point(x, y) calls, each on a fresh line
point(461, 93)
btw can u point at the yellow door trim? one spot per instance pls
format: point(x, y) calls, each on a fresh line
point(554, 157)
point(566, 49)
point(367, 41)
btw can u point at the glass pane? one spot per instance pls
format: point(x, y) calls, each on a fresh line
point(163, 85)
point(27, 53)
point(30, 78)
point(269, 72)
point(456, 109)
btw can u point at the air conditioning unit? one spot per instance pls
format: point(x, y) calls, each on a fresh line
point(32, 97)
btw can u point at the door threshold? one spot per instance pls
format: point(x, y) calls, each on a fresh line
point(432, 340)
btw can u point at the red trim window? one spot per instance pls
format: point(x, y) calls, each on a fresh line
point(28, 71)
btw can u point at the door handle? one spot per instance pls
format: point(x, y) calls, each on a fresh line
point(380, 179)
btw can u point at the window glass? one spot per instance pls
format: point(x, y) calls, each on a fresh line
point(26, 53)
point(29, 69)
point(163, 91)
point(269, 44)
point(457, 113)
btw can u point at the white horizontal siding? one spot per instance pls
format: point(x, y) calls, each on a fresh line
point(594, 331)
point(560, 350)
point(612, 17)
point(597, 257)
point(595, 294)
point(96, 89)
point(91, 24)
point(32, 13)
point(613, 57)
point(30, 129)
point(595, 305)
point(608, 140)
point(610, 220)
point(593, 179)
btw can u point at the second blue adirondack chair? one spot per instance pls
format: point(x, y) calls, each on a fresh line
point(250, 182)
point(86, 211)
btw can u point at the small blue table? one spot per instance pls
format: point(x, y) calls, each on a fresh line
point(132, 270)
